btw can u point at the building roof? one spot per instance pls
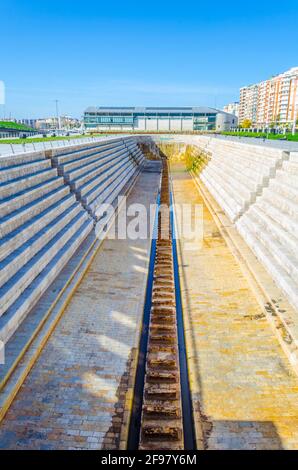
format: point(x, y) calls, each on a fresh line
point(157, 109)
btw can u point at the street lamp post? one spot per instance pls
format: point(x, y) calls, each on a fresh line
point(57, 115)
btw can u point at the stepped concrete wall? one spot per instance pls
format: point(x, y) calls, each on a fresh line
point(257, 187)
point(48, 205)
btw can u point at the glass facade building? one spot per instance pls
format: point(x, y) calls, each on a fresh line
point(155, 119)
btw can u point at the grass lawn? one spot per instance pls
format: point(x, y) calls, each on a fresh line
point(289, 137)
point(14, 125)
point(33, 140)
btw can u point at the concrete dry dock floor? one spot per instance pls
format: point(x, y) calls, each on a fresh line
point(77, 392)
point(244, 391)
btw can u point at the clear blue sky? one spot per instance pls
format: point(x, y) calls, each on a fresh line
point(139, 53)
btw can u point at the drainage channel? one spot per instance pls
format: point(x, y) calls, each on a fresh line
point(162, 413)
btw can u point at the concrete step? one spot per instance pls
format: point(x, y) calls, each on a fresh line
point(77, 163)
point(9, 188)
point(287, 178)
point(244, 154)
point(259, 168)
point(58, 152)
point(288, 223)
point(291, 167)
point(80, 181)
point(228, 204)
point(24, 158)
point(109, 186)
point(112, 192)
point(20, 256)
point(97, 185)
point(27, 196)
point(23, 214)
point(10, 173)
point(11, 290)
point(64, 158)
point(284, 204)
point(286, 238)
point(77, 175)
point(247, 148)
point(22, 233)
point(235, 191)
point(253, 181)
point(285, 189)
point(277, 272)
point(15, 314)
point(280, 251)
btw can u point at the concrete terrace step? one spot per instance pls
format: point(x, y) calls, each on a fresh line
point(254, 182)
point(247, 164)
point(22, 183)
point(27, 212)
point(244, 147)
point(10, 173)
point(277, 272)
point(228, 204)
point(284, 188)
point(77, 163)
point(288, 223)
point(11, 290)
point(283, 203)
point(24, 158)
point(70, 156)
point(291, 167)
point(21, 234)
point(78, 174)
point(113, 191)
point(287, 178)
point(26, 196)
point(243, 154)
point(236, 191)
point(20, 256)
point(283, 256)
point(15, 314)
point(286, 238)
point(109, 186)
point(90, 190)
point(86, 177)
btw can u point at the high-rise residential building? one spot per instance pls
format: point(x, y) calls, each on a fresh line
point(271, 101)
point(248, 104)
point(232, 108)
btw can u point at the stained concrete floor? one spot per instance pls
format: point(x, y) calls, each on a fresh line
point(244, 391)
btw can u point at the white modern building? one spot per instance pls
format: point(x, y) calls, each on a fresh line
point(232, 108)
point(158, 119)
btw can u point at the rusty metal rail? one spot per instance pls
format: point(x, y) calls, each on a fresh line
point(161, 421)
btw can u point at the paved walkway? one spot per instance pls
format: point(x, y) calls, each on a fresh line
point(245, 392)
point(75, 395)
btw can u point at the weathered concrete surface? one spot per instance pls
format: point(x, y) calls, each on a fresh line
point(78, 393)
point(244, 390)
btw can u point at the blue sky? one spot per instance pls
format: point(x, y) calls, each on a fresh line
point(162, 53)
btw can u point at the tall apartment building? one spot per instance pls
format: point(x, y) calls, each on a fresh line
point(273, 100)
